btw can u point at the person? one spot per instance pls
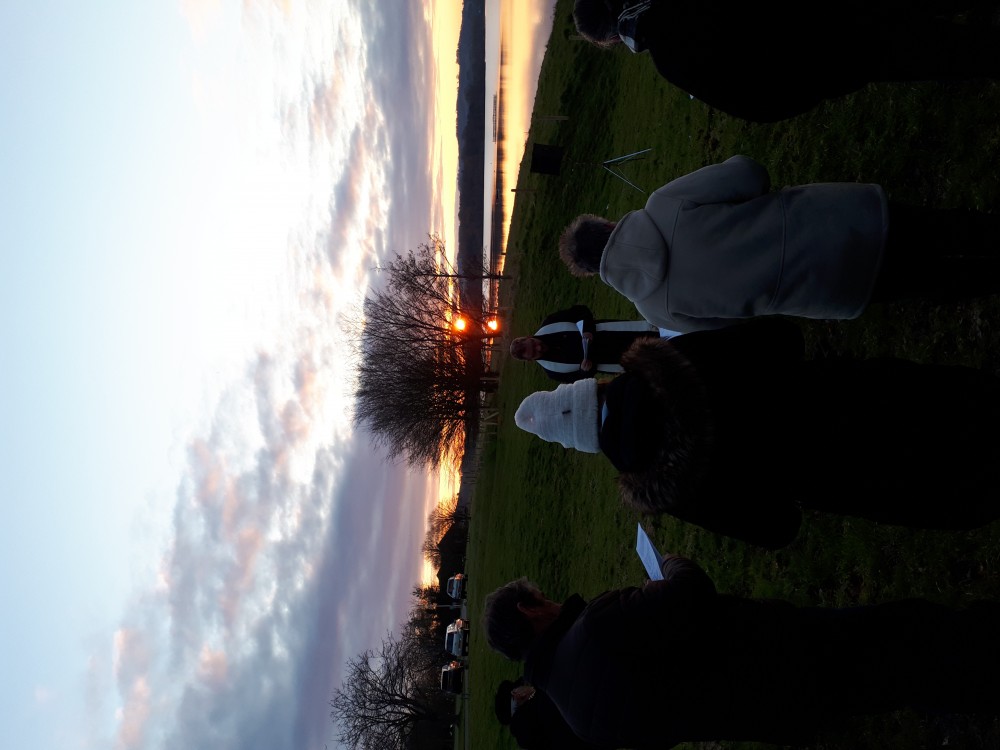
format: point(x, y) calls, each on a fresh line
point(676, 661)
point(533, 718)
point(772, 61)
point(735, 431)
point(718, 245)
point(571, 345)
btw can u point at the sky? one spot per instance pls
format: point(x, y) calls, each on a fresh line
point(195, 196)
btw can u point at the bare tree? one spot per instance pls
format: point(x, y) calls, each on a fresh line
point(416, 399)
point(443, 517)
point(427, 626)
point(423, 297)
point(439, 522)
point(419, 378)
point(426, 597)
point(430, 550)
point(387, 693)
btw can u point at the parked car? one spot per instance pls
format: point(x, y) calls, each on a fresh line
point(456, 638)
point(451, 677)
point(455, 587)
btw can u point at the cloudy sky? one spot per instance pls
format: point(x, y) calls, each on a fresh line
point(194, 194)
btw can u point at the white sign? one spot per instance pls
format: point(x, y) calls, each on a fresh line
point(649, 555)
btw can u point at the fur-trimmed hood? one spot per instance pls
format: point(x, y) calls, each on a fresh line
point(717, 458)
point(682, 440)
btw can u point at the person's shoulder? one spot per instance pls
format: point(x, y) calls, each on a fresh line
point(605, 606)
point(558, 316)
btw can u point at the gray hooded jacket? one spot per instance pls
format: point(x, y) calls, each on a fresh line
point(716, 246)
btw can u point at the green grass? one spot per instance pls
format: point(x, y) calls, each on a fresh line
point(553, 515)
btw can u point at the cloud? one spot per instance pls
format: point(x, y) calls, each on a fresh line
point(212, 666)
point(240, 576)
point(134, 715)
point(306, 383)
point(270, 583)
point(269, 686)
point(132, 656)
point(329, 98)
point(345, 200)
point(374, 113)
point(293, 546)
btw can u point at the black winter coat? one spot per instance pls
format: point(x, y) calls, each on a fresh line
point(674, 661)
point(769, 61)
point(745, 432)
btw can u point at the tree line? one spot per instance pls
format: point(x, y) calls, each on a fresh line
point(391, 696)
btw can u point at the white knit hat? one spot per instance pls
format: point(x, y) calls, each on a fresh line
point(567, 415)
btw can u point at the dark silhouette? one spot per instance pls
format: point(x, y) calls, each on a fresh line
point(675, 661)
point(533, 718)
point(769, 61)
point(735, 431)
point(389, 692)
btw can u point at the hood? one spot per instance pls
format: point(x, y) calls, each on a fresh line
point(634, 262)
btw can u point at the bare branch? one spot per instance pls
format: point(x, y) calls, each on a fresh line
point(419, 379)
point(389, 691)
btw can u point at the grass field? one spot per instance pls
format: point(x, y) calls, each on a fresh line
point(553, 515)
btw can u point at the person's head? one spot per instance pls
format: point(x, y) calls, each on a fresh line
point(568, 415)
point(514, 615)
point(526, 348)
point(597, 21)
point(582, 243)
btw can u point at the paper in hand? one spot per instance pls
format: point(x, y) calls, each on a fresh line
point(648, 555)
